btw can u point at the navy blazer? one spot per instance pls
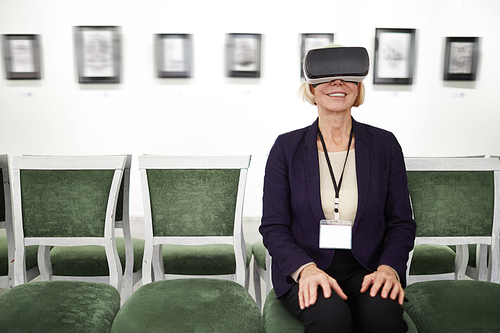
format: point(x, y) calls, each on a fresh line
point(383, 231)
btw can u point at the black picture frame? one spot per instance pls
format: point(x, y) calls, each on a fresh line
point(461, 58)
point(312, 40)
point(243, 55)
point(174, 55)
point(22, 56)
point(98, 54)
point(394, 59)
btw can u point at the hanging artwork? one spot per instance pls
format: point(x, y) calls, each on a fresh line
point(173, 55)
point(98, 54)
point(22, 57)
point(394, 56)
point(243, 55)
point(461, 58)
point(311, 41)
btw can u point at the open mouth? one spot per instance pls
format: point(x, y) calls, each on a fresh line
point(337, 95)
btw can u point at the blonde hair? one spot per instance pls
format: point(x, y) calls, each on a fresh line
point(305, 92)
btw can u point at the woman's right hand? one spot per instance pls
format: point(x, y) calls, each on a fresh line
point(310, 279)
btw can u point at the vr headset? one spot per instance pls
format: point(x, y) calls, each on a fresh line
point(336, 63)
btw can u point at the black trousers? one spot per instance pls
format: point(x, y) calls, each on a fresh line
point(359, 313)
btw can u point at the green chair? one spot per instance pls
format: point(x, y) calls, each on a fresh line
point(454, 202)
point(277, 319)
point(63, 201)
point(190, 305)
point(450, 306)
point(89, 263)
point(7, 242)
point(193, 217)
point(261, 270)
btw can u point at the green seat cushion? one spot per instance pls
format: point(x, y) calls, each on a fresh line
point(432, 259)
point(91, 260)
point(454, 306)
point(212, 259)
point(59, 306)
point(189, 305)
point(31, 256)
point(277, 319)
point(259, 253)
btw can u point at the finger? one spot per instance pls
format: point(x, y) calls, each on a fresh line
point(335, 286)
point(387, 287)
point(303, 296)
point(313, 294)
point(396, 290)
point(375, 288)
point(367, 282)
point(401, 296)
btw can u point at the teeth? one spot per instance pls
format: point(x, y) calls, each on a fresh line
point(336, 95)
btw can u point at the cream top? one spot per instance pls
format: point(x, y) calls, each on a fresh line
point(348, 197)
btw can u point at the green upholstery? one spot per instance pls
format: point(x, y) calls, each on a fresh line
point(432, 259)
point(193, 202)
point(45, 190)
point(31, 256)
point(2, 201)
point(454, 306)
point(442, 202)
point(91, 260)
point(259, 253)
point(208, 259)
point(59, 306)
point(277, 319)
point(189, 305)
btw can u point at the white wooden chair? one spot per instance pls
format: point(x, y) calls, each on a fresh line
point(66, 201)
point(261, 270)
point(193, 207)
point(89, 263)
point(7, 242)
point(456, 201)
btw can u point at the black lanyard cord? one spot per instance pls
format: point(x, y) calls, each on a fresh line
point(335, 185)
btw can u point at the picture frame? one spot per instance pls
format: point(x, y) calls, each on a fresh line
point(394, 56)
point(243, 55)
point(173, 55)
point(310, 41)
point(461, 58)
point(22, 56)
point(98, 54)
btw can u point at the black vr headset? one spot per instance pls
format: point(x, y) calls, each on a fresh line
point(336, 63)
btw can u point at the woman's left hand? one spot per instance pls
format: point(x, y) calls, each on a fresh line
point(384, 279)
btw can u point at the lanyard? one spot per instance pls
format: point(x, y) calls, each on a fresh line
point(335, 185)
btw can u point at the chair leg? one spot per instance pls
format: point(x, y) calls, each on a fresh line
point(256, 285)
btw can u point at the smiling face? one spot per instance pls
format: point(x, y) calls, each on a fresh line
point(335, 96)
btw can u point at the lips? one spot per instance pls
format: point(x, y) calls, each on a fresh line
point(337, 95)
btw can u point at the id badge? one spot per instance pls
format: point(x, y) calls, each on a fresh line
point(335, 234)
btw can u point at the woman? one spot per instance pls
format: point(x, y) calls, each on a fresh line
point(324, 179)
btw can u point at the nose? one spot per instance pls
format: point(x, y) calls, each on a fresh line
point(337, 82)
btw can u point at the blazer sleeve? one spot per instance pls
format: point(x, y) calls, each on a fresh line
point(277, 217)
point(400, 227)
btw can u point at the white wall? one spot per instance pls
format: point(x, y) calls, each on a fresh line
point(211, 114)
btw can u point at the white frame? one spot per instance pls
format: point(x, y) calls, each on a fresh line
point(491, 272)
point(116, 163)
point(153, 246)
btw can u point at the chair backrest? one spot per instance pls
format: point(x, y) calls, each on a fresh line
point(6, 212)
point(66, 201)
point(456, 201)
point(193, 200)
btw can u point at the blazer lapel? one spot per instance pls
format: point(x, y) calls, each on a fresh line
point(312, 171)
point(362, 169)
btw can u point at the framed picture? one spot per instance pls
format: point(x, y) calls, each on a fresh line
point(174, 55)
point(460, 59)
point(311, 41)
point(394, 56)
point(22, 57)
point(98, 54)
point(243, 55)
